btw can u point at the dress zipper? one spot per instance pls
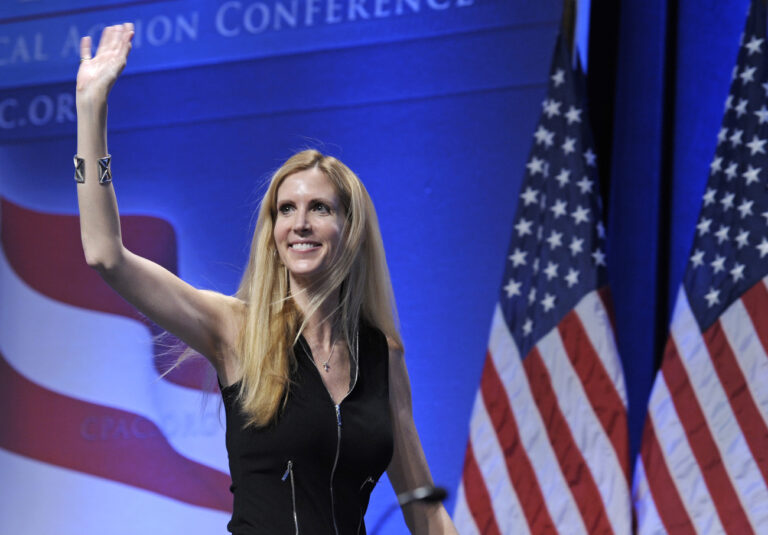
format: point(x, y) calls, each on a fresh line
point(336, 406)
point(335, 462)
point(289, 472)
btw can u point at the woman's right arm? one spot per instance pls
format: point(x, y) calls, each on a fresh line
point(207, 321)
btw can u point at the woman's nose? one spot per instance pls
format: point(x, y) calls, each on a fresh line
point(301, 223)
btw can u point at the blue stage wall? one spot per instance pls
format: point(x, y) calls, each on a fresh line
point(431, 102)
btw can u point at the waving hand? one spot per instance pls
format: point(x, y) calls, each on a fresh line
point(98, 73)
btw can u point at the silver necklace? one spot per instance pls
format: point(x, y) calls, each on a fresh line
point(326, 366)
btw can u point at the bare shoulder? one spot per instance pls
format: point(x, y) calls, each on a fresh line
point(229, 312)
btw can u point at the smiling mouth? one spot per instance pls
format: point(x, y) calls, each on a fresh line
point(305, 246)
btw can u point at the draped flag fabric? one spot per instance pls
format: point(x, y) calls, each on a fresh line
point(703, 463)
point(93, 438)
point(548, 446)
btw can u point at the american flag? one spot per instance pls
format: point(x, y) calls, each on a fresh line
point(92, 434)
point(703, 463)
point(547, 449)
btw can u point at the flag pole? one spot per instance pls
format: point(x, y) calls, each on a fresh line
point(568, 24)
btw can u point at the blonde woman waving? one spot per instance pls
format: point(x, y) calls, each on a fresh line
point(307, 352)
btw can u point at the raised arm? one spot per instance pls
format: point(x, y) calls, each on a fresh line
point(408, 469)
point(206, 321)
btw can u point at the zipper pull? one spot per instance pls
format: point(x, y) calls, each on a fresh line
point(338, 415)
point(287, 470)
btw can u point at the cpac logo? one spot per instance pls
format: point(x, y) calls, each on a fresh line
point(40, 110)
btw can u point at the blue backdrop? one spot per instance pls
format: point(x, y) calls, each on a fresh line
point(432, 103)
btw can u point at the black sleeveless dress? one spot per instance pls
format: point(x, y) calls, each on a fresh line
point(312, 472)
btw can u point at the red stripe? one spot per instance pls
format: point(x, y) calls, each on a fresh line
point(518, 464)
point(605, 296)
point(575, 470)
point(106, 442)
point(756, 302)
point(735, 386)
point(598, 386)
point(44, 250)
point(478, 500)
point(702, 444)
point(663, 490)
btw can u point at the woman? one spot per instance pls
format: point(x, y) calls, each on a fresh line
point(307, 353)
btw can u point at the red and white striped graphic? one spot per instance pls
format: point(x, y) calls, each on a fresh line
point(703, 466)
point(548, 443)
point(92, 437)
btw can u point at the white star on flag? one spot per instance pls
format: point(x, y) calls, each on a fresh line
point(712, 297)
point(763, 247)
point(558, 78)
point(552, 108)
point(748, 75)
point(573, 115)
point(576, 245)
point(756, 145)
point(585, 185)
point(558, 209)
point(563, 177)
point(518, 257)
point(512, 288)
point(736, 138)
point(572, 277)
point(718, 264)
point(762, 114)
point(750, 175)
point(745, 208)
point(590, 157)
point(580, 215)
point(697, 258)
point(741, 107)
point(544, 136)
point(569, 145)
point(703, 226)
point(754, 45)
point(536, 165)
point(529, 196)
point(548, 302)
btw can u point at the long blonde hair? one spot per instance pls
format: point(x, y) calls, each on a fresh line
point(273, 324)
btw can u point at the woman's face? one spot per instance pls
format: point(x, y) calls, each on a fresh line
point(308, 225)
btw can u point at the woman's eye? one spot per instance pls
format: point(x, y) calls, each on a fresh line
point(322, 208)
point(285, 209)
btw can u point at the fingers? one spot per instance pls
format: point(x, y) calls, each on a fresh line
point(85, 47)
point(127, 37)
point(109, 37)
point(115, 37)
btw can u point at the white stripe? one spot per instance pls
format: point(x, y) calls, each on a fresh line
point(533, 435)
point(462, 517)
point(739, 329)
point(107, 360)
point(737, 459)
point(753, 363)
point(648, 520)
point(587, 431)
point(41, 498)
point(681, 463)
point(507, 510)
point(597, 324)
